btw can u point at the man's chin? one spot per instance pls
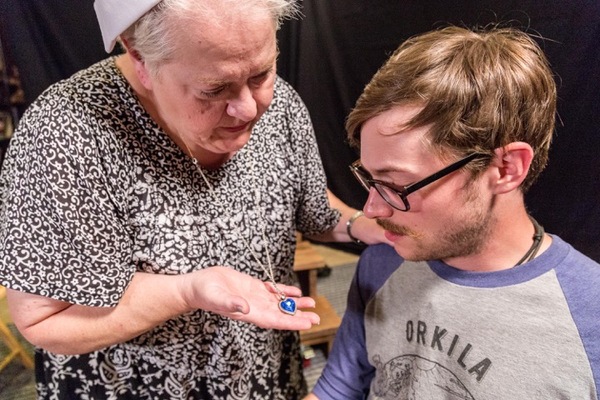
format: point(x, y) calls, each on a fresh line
point(404, 252)
point(412, 254)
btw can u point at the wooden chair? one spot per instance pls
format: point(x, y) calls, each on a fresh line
point(15, 348)
point(307, 262)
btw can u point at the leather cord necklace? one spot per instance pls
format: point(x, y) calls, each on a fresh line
point(537, 242)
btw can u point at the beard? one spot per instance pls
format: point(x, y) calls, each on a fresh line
point(464, 235)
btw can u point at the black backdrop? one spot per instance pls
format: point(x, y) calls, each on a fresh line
point(332, 52)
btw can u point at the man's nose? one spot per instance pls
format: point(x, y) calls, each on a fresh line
point(376, 206)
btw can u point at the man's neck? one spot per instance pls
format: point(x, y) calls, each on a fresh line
point(510, 242)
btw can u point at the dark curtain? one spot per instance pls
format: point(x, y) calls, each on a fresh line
point(332, 52)
point(50, 40)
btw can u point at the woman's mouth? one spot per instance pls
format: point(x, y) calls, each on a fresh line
point(236, 129)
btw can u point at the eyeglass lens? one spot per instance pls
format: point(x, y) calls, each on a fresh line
point(389, 195)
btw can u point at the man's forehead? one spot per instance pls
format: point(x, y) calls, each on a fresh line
point(393, 121)
point(390, 146)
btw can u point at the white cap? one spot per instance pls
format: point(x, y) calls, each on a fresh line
point(114, 16)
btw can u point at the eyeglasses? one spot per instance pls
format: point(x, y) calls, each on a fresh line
point(397, 196)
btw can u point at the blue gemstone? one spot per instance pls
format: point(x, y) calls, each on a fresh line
point(288, 306)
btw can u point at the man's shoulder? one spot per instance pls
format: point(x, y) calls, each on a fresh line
point(375, 266)
point(569, 258)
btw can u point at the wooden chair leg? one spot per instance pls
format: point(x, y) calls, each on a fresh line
point(16, 348)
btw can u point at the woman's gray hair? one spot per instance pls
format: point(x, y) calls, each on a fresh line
point(154, 36)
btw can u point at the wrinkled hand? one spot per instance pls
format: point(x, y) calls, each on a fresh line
point(239, 296)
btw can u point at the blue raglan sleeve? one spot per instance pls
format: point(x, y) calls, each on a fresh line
point(348, 372)
point(579, 277)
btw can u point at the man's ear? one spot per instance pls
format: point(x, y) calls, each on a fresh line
point(139, 65)
point(512, 164)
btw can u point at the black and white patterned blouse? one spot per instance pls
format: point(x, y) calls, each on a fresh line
point(92, 191)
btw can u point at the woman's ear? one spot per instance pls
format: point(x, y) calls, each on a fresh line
point(512, 164)
point(139, 65)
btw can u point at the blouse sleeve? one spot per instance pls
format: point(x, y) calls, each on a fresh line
point(313, 214)
point(61, 231)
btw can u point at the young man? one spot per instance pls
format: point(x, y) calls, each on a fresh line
point(476, 301)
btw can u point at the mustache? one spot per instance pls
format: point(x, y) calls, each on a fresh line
point(396, 229)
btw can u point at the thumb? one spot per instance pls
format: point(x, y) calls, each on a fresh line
point(238, 304)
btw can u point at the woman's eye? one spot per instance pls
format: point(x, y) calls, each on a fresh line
point(259, 79)
point(212, 93)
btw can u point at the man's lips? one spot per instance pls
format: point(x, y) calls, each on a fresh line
point(391, 236)
point(395, 232)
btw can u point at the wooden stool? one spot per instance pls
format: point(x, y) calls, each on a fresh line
point(15, 347)
point(306, 263)
point(324, 333)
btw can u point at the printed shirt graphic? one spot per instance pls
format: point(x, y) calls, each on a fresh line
point(429, 331)
point(95, 191)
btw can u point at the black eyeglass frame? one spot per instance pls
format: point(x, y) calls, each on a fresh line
point(402, 192)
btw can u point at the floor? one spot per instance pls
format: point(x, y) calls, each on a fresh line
point(16, 382)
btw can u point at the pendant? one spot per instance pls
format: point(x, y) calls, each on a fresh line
point(287, 306)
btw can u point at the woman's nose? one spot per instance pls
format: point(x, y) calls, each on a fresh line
point(243, 106)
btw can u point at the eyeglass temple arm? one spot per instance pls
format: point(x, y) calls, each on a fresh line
point(440, 174)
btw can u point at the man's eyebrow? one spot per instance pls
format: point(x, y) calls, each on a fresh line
point(388, 170)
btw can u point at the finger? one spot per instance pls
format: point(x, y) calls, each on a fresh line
point(314, 318)
point(305, 302)
point(302, 320)
point(289, 291)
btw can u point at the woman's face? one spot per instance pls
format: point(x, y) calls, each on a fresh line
point(209, 98)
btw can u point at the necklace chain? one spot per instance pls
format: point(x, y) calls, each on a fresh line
point(537, 242)
point(268, 270)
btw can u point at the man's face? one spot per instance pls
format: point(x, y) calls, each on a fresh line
point(209, 97)
point(449, 218)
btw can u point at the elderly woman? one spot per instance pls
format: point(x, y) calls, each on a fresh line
point(149, 206)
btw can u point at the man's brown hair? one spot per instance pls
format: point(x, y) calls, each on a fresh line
point(481, 89)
